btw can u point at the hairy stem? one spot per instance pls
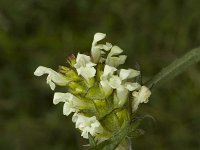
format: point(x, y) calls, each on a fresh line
point(176, 67)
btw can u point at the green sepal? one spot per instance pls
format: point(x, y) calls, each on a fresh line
point(86, 106)
point(69, 73)
point(115, 120)
point(114, 141)
point(100, 68)
point(77, 87)
point(95, 93)
point(91, 140)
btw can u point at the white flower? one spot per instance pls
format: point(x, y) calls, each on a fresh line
point(119, 83)
point(107, 74)
point(99, 49)
point(122, 92)
point(124, 74)
point(110, 82)
point(87, 125)
point(142, 96)
point(71, 102)
point(96, 50)
point(113, 60)
point(84, 66)
point(52, 78)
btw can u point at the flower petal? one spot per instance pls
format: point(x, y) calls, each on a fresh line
point(49, 81)
point(115, 82)
point(84, 66)
point(53, 76)
point(116, 50)
point(87, 72)
point(98, 37)
point(128, 73)
point(87, 125)
point(62, 97)
point(108, 71)
point(116, 61)
point(122, 95)
point(106, 87)
point(95, 50)
point(71, 102)
point(132, 86)
point(82, 57)
point(107, 47)
point(68, 108)
point(141, 97)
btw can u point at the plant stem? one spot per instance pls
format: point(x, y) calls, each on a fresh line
point(130, 143)
point(176, 67)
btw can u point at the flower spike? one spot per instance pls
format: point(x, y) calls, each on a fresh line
point(98, 92)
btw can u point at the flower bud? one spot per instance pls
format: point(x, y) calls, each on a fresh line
point(71, 60)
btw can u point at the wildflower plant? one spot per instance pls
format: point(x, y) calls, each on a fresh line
point(102, 96)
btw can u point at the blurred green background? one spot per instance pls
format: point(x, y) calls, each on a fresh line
point(45, 32)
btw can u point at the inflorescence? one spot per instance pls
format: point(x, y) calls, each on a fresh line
point(101, 97)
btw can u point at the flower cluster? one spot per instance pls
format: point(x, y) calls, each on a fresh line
point(99, 95)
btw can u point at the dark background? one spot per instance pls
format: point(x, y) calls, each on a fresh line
point(45, 32)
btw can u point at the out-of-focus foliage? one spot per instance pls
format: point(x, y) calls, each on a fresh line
point(45, 32)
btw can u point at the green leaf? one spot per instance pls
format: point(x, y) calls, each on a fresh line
point(176, 67)
point(114, 141)
point(91, 140)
